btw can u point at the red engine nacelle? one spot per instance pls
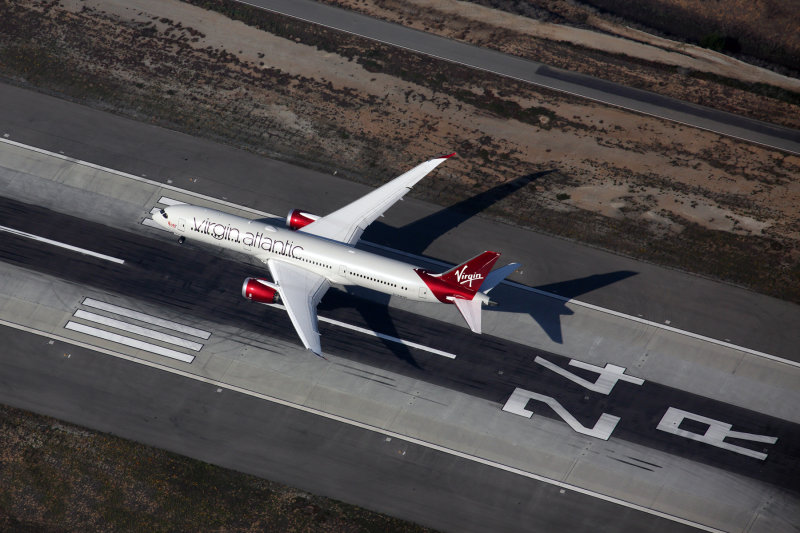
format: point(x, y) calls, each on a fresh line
point(261, 291)
point(297, 219)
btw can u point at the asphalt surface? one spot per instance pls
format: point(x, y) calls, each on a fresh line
point(688, 302)
point(289, 446)
point(206, 286)
point(539, 74)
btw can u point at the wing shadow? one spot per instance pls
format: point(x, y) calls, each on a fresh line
point(416, 236)
point(374, 309)
point(548, 312)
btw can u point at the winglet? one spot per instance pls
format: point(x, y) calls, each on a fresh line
point(446, 156)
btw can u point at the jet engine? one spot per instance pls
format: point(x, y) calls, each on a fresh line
point(261, 291)
point(297, 219)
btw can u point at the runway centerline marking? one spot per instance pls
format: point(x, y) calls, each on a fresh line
point(369, 427)
point(387, 337)
point(61, 245)
point(407, 254)
point(377, 334)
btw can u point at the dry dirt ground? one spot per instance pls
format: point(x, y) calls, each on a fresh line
point(602, 46)
point(637, 185)
point(758, 31)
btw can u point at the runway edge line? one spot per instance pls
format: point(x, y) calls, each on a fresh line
point(367, 427)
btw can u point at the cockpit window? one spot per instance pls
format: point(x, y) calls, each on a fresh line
point(163, 213)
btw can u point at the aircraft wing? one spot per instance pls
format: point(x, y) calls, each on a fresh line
point(300, 291)
point(348, 223)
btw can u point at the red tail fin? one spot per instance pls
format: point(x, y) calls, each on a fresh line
point(471, 274)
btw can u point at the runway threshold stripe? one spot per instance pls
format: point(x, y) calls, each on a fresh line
point(61, 245)
point(128, 341)
point(166, 200)
point(149, 319)
point(368, 427)
point(137, 330)
point(150, 222)
point(407, 254)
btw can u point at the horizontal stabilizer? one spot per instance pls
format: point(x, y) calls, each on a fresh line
point(494, 278)
point(471, 311)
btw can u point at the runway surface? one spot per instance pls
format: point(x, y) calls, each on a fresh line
point(538, 74)
point(206, 287)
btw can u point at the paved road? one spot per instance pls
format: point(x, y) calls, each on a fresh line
point(285, 445)
point(691, 303)
point(202, 286)
point(539, 74)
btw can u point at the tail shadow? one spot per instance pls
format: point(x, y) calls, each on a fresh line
point(416, 236)
point(548, 312)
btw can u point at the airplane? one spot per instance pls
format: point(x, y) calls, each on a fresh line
point(313, 252)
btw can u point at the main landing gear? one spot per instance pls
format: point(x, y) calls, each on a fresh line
point(181, 240)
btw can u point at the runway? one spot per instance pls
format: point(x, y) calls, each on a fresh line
point(467, 405)
point(538, 74)
point(207, 288)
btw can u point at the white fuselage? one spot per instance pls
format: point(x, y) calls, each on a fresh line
point(339, 263)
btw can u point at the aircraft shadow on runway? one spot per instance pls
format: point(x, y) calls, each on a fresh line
point(416, 236)
point(547, 312)
point(373, 307)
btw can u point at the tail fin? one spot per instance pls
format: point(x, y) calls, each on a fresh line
point(471, 309)
point(470, 275)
